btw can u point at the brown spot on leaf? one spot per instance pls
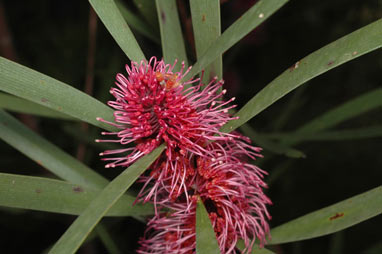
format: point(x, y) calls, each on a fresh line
point(38, 191)
point(163, 16)
point(78, 189)
point(295, 66)
point(44, 100)
point(330, 63)
point(336, 216)
point(59, 108)
point(203, 18)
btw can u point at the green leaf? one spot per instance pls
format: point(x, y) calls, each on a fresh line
point(340, 135)
point(171, 33)
point(267, 144)
point(347, 48)
point(137, 23)
point(350, 109)
point(84, 224)
point(256, 15)
point(330, 219)
point(46, 154)
point(15, 104)
point(206, 27)
point(48, 92)
point(205, 236)
point(48, 195)
point(110, 16)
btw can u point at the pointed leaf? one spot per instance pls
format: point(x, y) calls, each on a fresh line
point(347, 48)
point(46, 91)
point(171, 33)
point(84, 224)
point(205, 236)
point(330, 219)
point(15, 104)
point(206, 27)
point(256, 15)
point(349, 109)
point(110, 16)
point(48, 195)
point(46, 154)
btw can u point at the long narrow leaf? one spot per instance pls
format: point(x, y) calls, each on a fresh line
point(109, 14)
point(48, 195)
point(137, 23)
point(46, 91)
point(206, 242)
point(171, 32)
point(347, 134)
point(46, 154)
point(347, 48)
point(206, 27)
point(350, 109)
point(15, 104)
point(84, 224)
point(245, 24)
point(330, 219)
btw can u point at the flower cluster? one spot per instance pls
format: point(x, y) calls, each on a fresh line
point(153, 105)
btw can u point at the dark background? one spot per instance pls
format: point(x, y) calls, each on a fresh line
point(52, 37)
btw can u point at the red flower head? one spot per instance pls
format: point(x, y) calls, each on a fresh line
point(152, 106)
point(232, 191)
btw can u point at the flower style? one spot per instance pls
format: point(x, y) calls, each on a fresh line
point(231, 190)
point(152, 106)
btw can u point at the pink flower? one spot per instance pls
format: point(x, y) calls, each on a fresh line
point(232, 191)
point(152, 106)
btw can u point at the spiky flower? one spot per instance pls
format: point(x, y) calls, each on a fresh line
point(232, 191)
point(152, 106)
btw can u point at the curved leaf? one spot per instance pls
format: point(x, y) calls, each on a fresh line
point(110, 16)
point(206, 27)
point(46, 154)
point(84, 224)
point(330, 219)
point(15, 104)
point(347, 48)
point(46, 91)
point(48, 195)
point(256, 15)
point(171, 33)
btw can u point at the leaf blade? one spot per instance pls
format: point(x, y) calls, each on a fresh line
point(246, 23)
point(171, 33)
point(15, 104)
point(31, 85)
point(46, 154)
point(207, 28)
point(334, 54)
point(49, 195)
point(206, 242)
point(109, 14)
point(84, 224)
point(330, 219)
